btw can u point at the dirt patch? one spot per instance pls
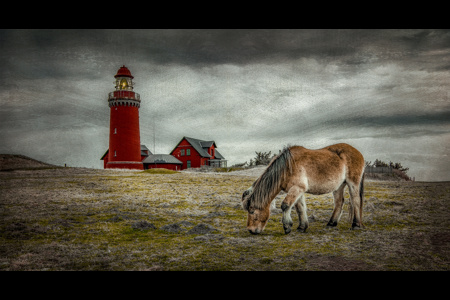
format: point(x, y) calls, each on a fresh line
point(143, 225)
point(336, 263)
point(202, 229)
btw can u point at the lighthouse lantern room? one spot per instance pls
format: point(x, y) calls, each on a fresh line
point(124, 138)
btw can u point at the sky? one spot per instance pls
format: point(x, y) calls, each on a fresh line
point(385, 92)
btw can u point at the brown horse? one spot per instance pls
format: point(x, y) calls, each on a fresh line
point(297, 170)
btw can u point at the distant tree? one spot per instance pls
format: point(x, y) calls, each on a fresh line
point(378, 163)
point(251, 163)
point(398, 166)
point(262, 158)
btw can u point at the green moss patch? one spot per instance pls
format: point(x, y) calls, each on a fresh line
point(159, 171)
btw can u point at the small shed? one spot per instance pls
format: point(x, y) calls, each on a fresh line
point(165, 161)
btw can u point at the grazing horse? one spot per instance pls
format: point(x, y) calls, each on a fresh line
point(297, 170)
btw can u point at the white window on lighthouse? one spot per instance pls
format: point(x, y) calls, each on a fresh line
point(115, 130)
point(115, 153)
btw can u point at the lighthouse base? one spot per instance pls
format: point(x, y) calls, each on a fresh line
point(125, 165)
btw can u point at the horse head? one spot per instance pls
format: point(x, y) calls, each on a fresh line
point(257, 218)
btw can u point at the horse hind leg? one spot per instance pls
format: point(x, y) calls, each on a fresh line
point(338, 196)
point(355, 210)
point(300, 206)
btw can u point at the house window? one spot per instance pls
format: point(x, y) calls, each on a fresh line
point(188, 151)
point(182, 152)
point(188, 164)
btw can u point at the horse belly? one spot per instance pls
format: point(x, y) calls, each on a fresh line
point(323, 187)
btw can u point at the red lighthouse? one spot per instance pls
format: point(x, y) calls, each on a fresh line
point(124, 139)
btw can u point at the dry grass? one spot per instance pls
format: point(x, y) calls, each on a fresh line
point(84, 219)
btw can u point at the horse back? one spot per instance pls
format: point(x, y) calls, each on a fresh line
point(323, 169)
point(354, 160)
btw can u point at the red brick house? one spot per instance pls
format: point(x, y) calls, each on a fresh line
point(195, 153)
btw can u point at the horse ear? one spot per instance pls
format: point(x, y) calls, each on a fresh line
point(245, 203)
point(246, 192)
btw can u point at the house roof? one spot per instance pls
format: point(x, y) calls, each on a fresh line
point(161, 159)
point(200, 146)
point(143, 148)
point(207, 144)
point(218, 155)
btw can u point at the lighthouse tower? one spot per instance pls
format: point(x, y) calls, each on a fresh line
point(124, 139)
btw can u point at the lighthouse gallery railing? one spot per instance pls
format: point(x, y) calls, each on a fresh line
point(124, 95)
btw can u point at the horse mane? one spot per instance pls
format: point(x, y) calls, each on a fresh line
point(270, 180)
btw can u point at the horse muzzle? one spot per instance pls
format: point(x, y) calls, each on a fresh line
point(256, 231)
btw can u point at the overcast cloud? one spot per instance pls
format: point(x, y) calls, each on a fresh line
point(386, 92)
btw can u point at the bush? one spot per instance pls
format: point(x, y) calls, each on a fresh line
point(397, 169)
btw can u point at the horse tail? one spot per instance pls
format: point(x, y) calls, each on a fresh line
point(351, 211)
point(361, 196)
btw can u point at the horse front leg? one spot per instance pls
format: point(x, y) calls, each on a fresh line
point(300, 206)
point(273, 204)
point(286, 206)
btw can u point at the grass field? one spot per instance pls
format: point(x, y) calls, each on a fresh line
point(86, 219)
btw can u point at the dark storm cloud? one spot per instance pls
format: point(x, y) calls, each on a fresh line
point(254, 46)
point(29, 54)
point(221, 46)
point(348, 126)
point(186, 46)
point(395, 126)
point(203, 47)
point(423, 119)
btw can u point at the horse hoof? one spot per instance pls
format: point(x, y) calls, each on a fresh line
point(287, 230)
point(332, 224)
point(300, 229)
point(356, 227)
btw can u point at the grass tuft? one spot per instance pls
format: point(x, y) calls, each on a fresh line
point(159, 171)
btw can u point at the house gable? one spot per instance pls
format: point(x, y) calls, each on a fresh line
point(195, 153)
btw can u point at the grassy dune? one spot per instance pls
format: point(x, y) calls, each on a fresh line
point(85, 219)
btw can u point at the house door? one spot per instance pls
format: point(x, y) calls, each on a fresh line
point(188, 164)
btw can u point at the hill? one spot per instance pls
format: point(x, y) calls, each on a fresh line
point(9, 162)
